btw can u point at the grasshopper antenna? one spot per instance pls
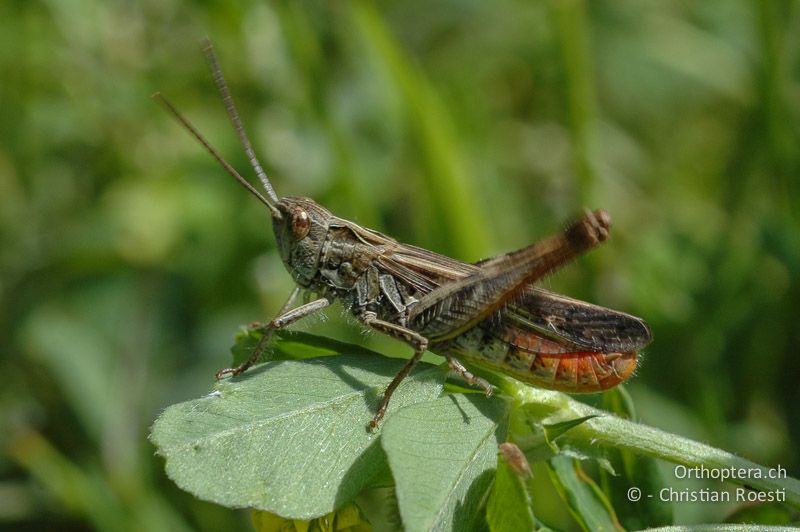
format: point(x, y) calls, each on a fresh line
point(227, 99)
point(228, 168)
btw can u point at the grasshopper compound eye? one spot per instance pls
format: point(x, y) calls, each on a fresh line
point(301, 223)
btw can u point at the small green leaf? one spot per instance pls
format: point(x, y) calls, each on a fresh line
point(442, 454)
point(586, 501)
point(509, 508)
point(538, 439)
point(288, 437)
point(554, 430)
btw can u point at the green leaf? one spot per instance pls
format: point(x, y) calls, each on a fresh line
point(288, 437)
point(442, 454)
point(509, 508)
point(553, 430)
point(290, 345)
point(586, 501)
point(538, 439)
point(299, 345)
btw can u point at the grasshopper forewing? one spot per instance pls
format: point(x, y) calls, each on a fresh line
point(489, 313)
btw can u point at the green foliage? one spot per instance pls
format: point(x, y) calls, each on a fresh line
point(588, 504)
point(127, 257)
point(509, 505)
point(288, 437)
point(626, 469)
point(291, 438)
point(442, 454)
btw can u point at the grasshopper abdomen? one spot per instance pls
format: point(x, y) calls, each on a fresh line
point(542, 362)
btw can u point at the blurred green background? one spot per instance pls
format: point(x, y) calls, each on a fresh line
point(129, 259)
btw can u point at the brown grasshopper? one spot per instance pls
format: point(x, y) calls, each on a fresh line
point(489, 313)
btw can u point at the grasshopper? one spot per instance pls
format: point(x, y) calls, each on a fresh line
point(489, 313)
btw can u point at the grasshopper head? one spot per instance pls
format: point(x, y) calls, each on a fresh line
point(300, 233)
point(300, 224)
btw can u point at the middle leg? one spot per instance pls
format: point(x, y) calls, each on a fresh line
point(412, 338)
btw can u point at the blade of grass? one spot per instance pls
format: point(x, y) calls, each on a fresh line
point(572, 33)
point(448, 180)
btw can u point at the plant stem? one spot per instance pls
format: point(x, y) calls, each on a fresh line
point(608, 429)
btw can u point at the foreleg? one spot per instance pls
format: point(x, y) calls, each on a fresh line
point(284, 319)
